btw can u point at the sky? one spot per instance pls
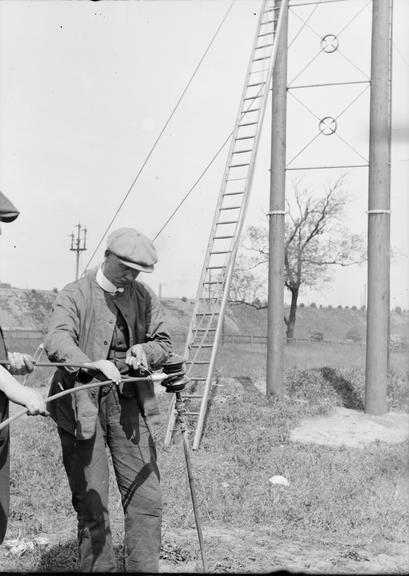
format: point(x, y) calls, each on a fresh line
point(86, 88)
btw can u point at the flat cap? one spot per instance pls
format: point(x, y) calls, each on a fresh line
point(8, 212)
point(133, 249)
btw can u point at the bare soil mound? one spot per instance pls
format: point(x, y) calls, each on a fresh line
point(346, 427)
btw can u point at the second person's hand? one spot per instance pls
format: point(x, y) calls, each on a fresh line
point(20, 363)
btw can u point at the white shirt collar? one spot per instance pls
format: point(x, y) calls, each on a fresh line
point(105, 283)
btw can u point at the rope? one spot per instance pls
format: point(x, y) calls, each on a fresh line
point(161, 133)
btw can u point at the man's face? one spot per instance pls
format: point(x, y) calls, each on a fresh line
point(119, 274)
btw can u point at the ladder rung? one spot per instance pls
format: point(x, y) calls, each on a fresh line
point(214, 281)
point(267, 22)
point(192, 396)
point(222, 237)
point(251, 110)
point(227, 222)
point(220, 252)
point(207, 313)
point(255, 84)
point(253, 97)
point(234, 179)
point(258, 71)
point(261, 58)
point(191, 413)
point(198, 362)
point(265, 34)
point(215, 267)
point(201, 346)
point(239, 165)
point(230, 208)
point(198, 378)
point(245, 137)
point(263, 46)
point(233, 193)
point(242, 151)
point(205, 330)
point(248, 124)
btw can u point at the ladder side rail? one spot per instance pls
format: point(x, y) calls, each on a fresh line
point(172, 419)
point(224, 181)
point(203, 407)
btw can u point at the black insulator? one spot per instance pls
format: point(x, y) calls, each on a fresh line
point(174, 363)
point(175, 385)
point(174, 367)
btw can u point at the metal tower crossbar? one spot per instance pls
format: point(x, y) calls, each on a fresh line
point(212, 295)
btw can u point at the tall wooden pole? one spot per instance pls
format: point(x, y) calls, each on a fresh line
point(379, 210)
point(275, 317)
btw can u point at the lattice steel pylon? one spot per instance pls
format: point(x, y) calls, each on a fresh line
point(211, 299)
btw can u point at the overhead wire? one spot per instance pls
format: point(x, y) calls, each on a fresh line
point(161, 132)
point(208, 165)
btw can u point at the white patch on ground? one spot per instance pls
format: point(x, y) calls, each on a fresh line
point(345, 427)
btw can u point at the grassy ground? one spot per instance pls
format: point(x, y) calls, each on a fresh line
point(345, 510)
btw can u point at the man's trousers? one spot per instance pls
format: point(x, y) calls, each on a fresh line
point(121, 427)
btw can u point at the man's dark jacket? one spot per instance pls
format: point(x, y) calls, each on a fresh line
point(81, 329)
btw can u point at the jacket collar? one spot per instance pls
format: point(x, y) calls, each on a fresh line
point(105, 283)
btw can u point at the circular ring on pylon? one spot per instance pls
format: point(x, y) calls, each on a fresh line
point(329, 43)
point(328, 126)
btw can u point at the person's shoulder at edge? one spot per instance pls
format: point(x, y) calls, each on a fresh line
point(88, 276)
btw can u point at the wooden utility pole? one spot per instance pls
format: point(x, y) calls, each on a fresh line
point(275, 316)
point(78, 245)
point(377, 341)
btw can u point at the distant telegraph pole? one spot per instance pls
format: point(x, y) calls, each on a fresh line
point(78, 245)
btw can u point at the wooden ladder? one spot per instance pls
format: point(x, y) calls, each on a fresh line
point(208, 312)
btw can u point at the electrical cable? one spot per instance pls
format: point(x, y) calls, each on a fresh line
point(72, 391)
point(161, 132)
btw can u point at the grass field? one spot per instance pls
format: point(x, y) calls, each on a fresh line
point(345, 510)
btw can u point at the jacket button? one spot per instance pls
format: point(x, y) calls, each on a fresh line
point(105, 343)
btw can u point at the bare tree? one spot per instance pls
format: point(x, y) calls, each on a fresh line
point(245, 286)
point(315, 239)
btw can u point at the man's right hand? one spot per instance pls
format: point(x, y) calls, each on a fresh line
point(107, 368)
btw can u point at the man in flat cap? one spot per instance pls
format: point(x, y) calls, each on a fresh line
point(11, 389)
point(113, 324)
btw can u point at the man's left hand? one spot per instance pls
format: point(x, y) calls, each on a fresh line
point(136, 357)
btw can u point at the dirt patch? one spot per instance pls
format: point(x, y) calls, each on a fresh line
point(227, 550)
point(345, 427)
point(237, 550)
